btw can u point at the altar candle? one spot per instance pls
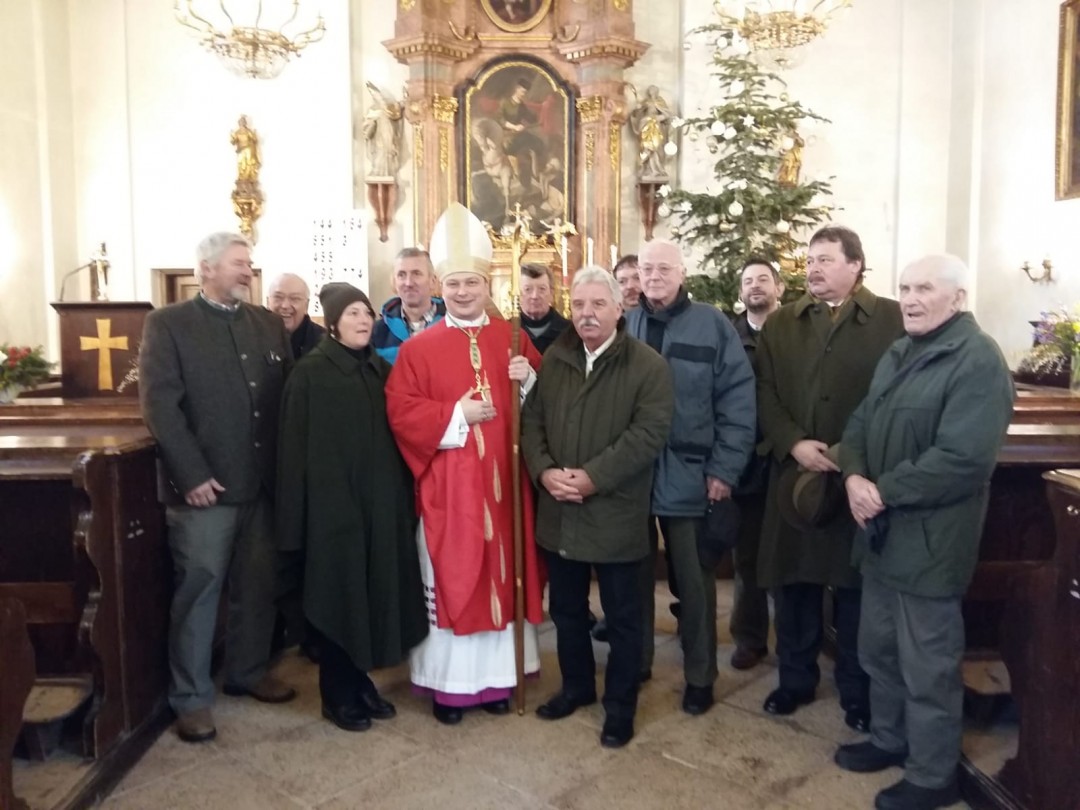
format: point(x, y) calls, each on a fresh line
point(588, 251)
point(563, 252)
point(614, 256)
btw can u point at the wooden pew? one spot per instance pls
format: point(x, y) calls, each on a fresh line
point(85, 547)
point(16, 679)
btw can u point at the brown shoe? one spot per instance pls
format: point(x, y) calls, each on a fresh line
point(268, 690)
point(745, 658)
point(195, 726)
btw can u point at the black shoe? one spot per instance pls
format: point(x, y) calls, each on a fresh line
point(599, 631)
point(563, 705)
point(497, 706)
point(858, 718)
point(617, 732)
point(447, 715)
point(644, 675)
point(377, 706)
point(865, 757)
point(697, 699)
point(349, 718)
point(747, 658)
point(783, 701)
point(906, 796)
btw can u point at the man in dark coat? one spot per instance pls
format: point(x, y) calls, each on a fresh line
point(538, 315)
point(345, 500)
point(712, 437)
point(211, 372)
point(592, 429)
point(918, 454)
point(815, 358)
point(760, 292)
point(288, 297)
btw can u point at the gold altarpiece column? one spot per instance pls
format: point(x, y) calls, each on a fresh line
point(586, 44)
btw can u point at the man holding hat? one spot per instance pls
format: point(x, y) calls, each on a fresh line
point(448, 402)
point(815, 358)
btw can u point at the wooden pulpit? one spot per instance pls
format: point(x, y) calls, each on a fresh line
point(99, 347)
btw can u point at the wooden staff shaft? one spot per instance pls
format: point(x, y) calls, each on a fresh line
point(519, 534)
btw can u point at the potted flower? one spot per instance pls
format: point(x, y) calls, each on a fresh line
point(1055, 357)
point(20, 368)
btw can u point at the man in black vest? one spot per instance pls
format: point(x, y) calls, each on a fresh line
point(288, 297)
point(540, 319)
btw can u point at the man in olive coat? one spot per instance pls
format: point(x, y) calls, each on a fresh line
point(918, 454)
point(592, 429)
point(211, 372)
point(815, 358)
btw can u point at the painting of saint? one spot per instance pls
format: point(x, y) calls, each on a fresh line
point(516, 15)
point(516, 144)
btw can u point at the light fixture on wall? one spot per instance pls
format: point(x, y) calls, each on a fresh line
point(1045, 277)
point(778, 25)
point(250, 50)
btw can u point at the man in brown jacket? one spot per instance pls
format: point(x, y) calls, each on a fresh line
point(815, 359)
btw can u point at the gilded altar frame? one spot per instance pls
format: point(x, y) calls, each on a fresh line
point(1067, 161)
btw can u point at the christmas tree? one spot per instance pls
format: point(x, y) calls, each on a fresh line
point(762, 207)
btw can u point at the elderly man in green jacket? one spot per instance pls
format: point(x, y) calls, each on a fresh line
point(917, 456)
point(592, 429)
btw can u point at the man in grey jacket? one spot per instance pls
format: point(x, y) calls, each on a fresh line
point(917, 457)
point(211, 371)
point(712, 436)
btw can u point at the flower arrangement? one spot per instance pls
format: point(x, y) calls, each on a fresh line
point(22, 367)
point(1057, 346)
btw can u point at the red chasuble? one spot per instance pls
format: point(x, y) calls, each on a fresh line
point(463, 494)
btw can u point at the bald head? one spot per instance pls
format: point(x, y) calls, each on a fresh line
point(660, 267)
point(287, 296)
point(932, 290)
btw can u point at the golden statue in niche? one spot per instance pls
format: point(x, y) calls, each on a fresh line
point(246, 142)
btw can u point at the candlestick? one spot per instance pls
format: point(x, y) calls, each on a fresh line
point(562, 250)
point(588, 251)
point(614, 257)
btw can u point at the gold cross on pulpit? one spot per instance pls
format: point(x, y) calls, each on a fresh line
point(104, 344)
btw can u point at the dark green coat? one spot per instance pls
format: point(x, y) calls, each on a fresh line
point(345, 499)
point(812, 373)
point(928, 434)
point(613, 425)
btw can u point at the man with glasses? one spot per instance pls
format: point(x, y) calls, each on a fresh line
point(288, 298)
point(712, 436)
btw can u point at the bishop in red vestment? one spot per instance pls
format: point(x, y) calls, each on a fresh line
point(449, 407)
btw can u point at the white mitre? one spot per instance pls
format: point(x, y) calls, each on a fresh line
point(460, 244)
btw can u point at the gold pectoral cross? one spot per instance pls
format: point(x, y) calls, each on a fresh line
point(483, 388)
point(104, 344)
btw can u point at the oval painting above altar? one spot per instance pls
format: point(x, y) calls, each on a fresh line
point(516, 15)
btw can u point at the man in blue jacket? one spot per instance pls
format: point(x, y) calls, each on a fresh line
point(712, 436)
point(413, 309)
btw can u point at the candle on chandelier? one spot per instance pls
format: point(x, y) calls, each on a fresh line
point(588, 251)
point(562, 250)
point(614, 256)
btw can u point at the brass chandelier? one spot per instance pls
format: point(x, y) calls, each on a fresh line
point(254, 51)
point(778, 25)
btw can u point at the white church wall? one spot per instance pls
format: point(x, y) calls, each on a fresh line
point(157, 123)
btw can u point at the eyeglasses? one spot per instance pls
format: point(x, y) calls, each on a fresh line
point(295, 300)
point(657, 269)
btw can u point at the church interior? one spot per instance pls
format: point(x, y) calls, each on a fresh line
point(132, 129)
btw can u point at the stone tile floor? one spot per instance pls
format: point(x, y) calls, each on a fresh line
point(734, 757)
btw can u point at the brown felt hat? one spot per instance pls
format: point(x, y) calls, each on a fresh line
point(809, 500)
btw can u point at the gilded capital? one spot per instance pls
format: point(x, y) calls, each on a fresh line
point(590, 108)
point(444, 108)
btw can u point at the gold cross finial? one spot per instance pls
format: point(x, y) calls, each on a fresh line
point(104, 344)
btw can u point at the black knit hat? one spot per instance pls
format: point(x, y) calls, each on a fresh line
point(335, 297)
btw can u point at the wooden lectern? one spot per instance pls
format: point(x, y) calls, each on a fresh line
point(99, 347)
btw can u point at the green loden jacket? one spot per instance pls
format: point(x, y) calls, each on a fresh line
point(812, 372)
point(613, 425)
point(928, 434)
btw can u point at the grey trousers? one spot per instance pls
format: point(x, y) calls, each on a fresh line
point(209, 544)
point(911, 647)
point(696, 591)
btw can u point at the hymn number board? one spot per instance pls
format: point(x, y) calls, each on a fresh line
point(339, 253)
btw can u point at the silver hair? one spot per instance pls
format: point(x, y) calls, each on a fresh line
point(280, 278)
point(946, 268)
point(211, 248)
point(663, 243)
point(594, 274)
